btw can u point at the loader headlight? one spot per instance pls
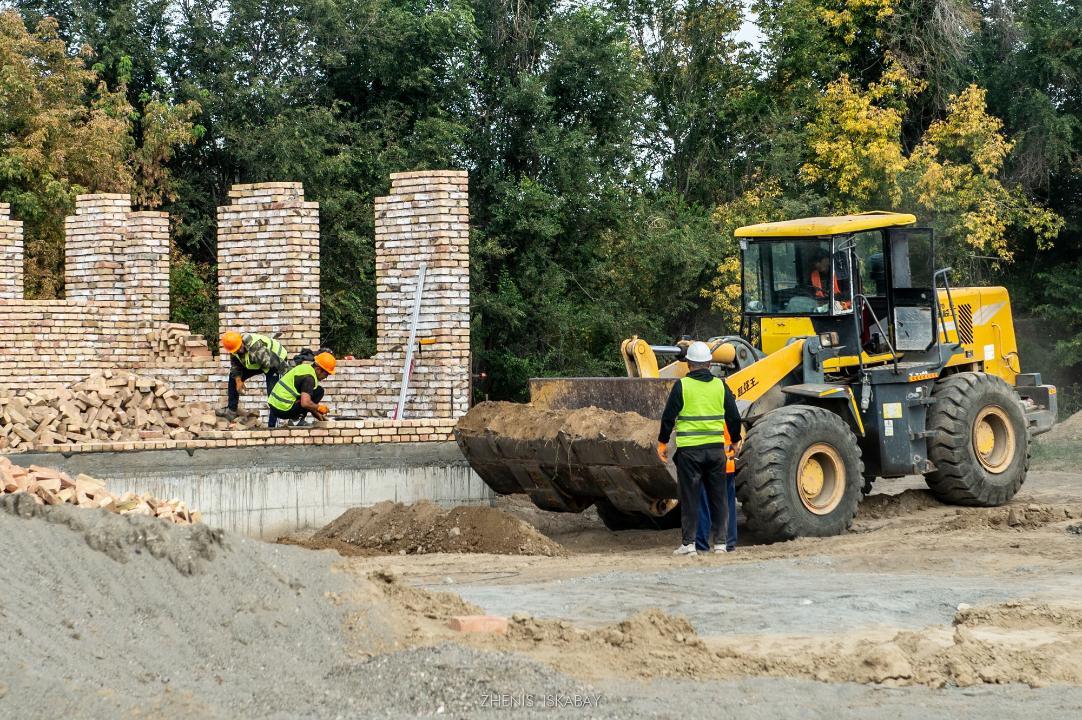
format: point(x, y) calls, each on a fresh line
point(828, 339)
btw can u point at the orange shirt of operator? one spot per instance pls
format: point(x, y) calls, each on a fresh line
point(817, 282)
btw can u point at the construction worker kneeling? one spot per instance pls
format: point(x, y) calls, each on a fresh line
point(299, 391)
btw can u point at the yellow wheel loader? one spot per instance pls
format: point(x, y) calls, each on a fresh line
point(868, 365)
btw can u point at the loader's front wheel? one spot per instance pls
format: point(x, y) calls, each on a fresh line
point(980, 445)
point(799, 474)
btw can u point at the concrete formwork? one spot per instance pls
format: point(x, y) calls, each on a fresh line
point(265, 492)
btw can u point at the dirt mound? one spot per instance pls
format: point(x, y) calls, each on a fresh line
point(1012, 643)
point(649, 644)
point(880, 506)
point(603, 424)
point(415, 602)
point(1013, 517)
point(424, 527)
point(123, 536)
point(111, 616)
point(312, 543)
point(514, 420)
point(455, 681)
point(1020, 615)
point(1067, 430)
point(526, 422)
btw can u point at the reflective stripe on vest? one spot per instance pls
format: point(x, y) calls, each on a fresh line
point(285, 393)
point(702, 419)
point(275, 347)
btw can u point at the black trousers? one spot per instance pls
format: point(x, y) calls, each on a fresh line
point(296, 412)
point(697, 467)
point(234, 396)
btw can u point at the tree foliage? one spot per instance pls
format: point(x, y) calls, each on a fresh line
point(63, 131)
point(613, 145)
point(953, 178)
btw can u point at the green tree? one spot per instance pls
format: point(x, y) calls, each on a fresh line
point(63, 131)
point(700, 128)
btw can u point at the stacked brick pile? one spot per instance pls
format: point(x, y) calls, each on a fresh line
point(113, 406)
point(51, 487)
point(175, 340)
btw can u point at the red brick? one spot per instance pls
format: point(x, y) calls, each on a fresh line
point(478, 624)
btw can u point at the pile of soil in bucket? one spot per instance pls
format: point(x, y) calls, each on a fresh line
point(527, 422)
point(424, 527)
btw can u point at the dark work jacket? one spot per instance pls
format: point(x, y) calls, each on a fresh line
point(676, 403)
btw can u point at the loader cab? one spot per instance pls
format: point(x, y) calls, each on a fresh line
point(797, 278)
point(870, 278)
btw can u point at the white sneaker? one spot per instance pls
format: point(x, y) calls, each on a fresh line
point(686, 550)
point(719, 549)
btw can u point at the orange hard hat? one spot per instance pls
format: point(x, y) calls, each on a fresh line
point(326, 361)
point(231, 341)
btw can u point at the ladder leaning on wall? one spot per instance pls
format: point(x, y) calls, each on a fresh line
point(407, 364)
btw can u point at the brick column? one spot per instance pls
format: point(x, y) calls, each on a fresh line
point(146, 266)
point(268, 263)
point(96, 241)
point(425, 219)
point(11, 255)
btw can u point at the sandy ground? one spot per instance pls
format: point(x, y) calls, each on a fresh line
point(921, 610)
point(919, 595)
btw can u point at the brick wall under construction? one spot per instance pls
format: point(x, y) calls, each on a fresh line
point(116, 306)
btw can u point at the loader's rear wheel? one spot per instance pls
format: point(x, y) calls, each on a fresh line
point(617, 519)
point(980, 445)
point(799, 474)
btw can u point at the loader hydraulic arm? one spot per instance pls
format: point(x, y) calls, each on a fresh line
point(754, 381)
point(639, 358)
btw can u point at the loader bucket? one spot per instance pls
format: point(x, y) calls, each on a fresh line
point(578, 441)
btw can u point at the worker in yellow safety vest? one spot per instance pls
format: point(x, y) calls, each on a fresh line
point(299, 392)
point(706, 419)
point(251, 354)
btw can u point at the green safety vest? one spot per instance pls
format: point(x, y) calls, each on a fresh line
point(275, 348)
point(702, 419)
point(285, 394)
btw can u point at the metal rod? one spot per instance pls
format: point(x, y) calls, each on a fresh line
point(894, 353)
point(400, 410)
point(950, 302)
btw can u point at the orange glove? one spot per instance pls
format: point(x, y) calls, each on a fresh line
point(240, 384)
point(662, 449)
point(323, 409)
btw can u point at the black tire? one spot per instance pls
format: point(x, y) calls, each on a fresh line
point(769, 463)
point(963, 476)
point(617, 519)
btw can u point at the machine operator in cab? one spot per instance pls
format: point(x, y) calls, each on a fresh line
point(820, 278)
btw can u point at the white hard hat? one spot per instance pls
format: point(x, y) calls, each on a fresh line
point(699, 352)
